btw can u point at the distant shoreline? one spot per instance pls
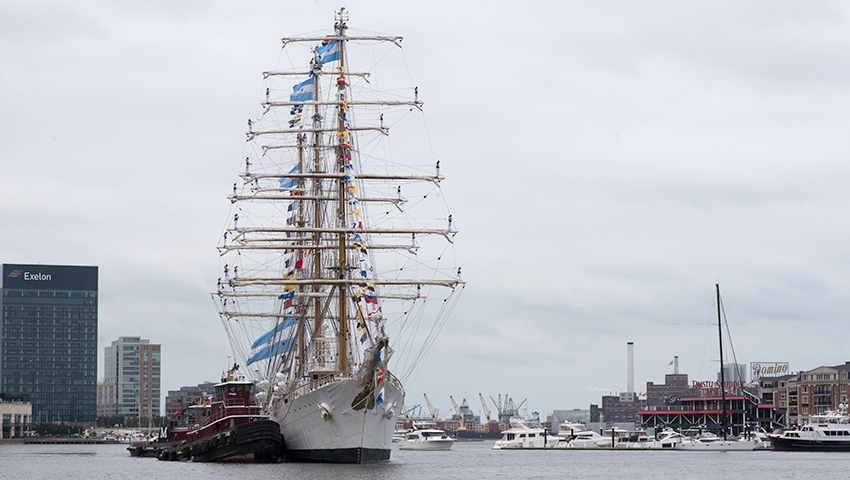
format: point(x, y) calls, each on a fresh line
point(55, 440)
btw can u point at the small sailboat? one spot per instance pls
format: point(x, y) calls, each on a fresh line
point(709, 441)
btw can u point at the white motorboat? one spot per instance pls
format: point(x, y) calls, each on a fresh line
point(668, 439)
point(828, 431)
point(624, 439)
point(399, 434)
point(426, 437)
point(585, 439)
point(569, 429)
point(523, 434)
point(762, 441)
point(711, 442)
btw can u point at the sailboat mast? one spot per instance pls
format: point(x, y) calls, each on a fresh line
point(722, 376)
point(343, 268)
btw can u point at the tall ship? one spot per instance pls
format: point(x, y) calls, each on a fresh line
point(337, 263)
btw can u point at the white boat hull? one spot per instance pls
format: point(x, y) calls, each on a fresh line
point(430, 445)
point(322, 426)
point(718, 445)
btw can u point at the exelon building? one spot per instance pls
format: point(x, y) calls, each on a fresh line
point(48, 340)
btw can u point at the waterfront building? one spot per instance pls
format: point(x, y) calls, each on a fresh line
point(131, 386)
point(15, 417)
point(107, 399)
point(742, 410)
point(679, 405)
point(48, 339)
point(618, 408)
point(177, 400)
point(808, 392)
point(675, 386)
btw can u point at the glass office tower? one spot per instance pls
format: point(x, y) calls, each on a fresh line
point(48, 340)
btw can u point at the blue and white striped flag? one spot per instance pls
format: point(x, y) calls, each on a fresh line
point(275, 342)
point(289, 182)
point(303, 91)
point(329, 52)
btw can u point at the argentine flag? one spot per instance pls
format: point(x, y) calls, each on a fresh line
point(275, 342)
point(302, 91)
point(329, 52)
point(289, 182)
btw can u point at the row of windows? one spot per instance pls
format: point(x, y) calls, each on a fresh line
point(37, 312)
point(45, 340)
point(67, 319)
point(824, 376)
point(20, 356)
point(10, 382)
point(26, 293)
point(47, 369)
point(820, 389)
point(21, 317)
point(37, 332)
point(46, 305)
point(48, 343)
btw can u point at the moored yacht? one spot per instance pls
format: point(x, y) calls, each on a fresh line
point(828, 431)
point(569, 429)
point(624, 439)
point(523, 435)
point(668, 439)
point(399, 434)
point(585, 439)
point(426, 437)
point(709, 441)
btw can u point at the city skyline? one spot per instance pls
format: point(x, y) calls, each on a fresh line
point(606, 164)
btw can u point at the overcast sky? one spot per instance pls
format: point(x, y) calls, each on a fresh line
point(607, 163)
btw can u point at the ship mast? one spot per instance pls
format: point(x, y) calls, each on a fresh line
point(722, 376)
point(328, 266)
point(342, 17)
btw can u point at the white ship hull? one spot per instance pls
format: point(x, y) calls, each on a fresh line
point(321, 425)
point(435, 445)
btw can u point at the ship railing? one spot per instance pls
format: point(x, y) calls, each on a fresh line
point(235, 402)
point(307, 384)
point(234, 410)
point(395, 382)
point(322, 366)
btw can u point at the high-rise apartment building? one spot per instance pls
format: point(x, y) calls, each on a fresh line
point(131, 385)
point(48, 339)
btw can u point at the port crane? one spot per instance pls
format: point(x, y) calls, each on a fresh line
point(462, 425)
point(408, 410)
point(507, 409)
point(484, 406)
point(430, 408)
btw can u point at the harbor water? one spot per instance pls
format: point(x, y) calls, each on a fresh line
point(466, 460)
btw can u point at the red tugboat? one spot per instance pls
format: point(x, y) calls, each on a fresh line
point(230, 429)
